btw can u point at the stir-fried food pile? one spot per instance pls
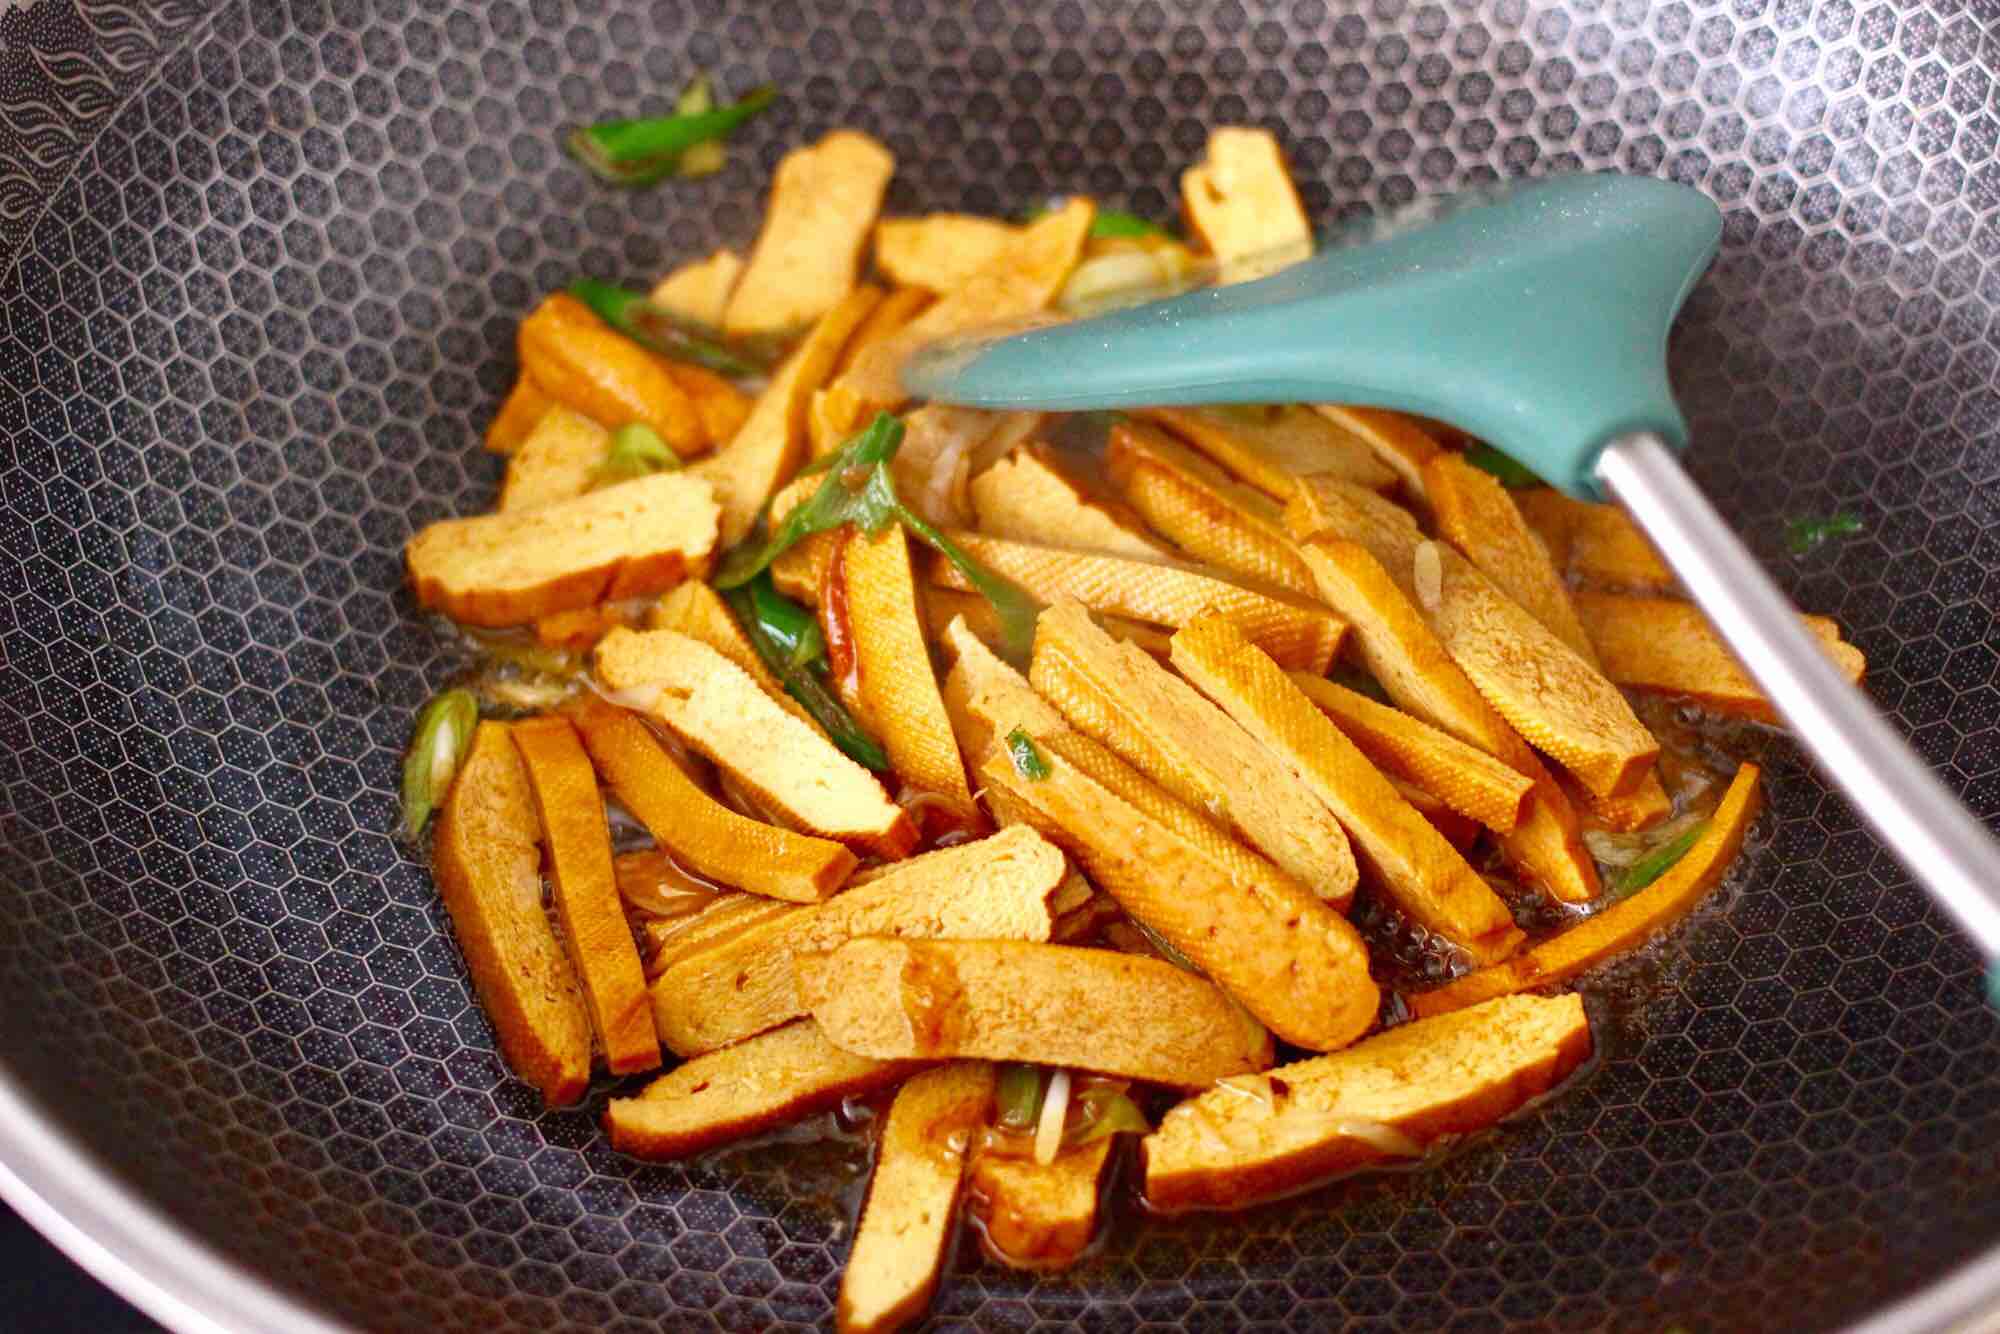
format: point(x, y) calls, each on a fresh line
point(1232, 786)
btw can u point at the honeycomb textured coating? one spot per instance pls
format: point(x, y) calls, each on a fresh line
point(262, 271)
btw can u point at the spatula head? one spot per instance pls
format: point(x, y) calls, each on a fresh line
point(1534, 315)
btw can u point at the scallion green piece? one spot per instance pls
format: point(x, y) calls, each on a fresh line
point(443, 734)
point(803, 683)
point(1656, 863)
point(1017, 1095)
point(870, 504)
point(1511, 471)
point(658, 329)
point(1028, 761)
point(1108, 223)
point(1802, 535)
point(640, 152)
point(791, 627)
point(1113, 1115)
point(636, 451)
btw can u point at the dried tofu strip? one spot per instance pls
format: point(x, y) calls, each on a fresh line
point(1624, 925)
point(1214, 519)
point(698, 611)
point(1668, 647)
point(1240, 202)
point(1399, 442)
point(1021, 279)
point(706, 836)
point(1286, 957)
point(942, 606)
point(523, 407)
point(1297, 633)
point(995, 888)
point(1401, 652)
point(771, 444)
point(716, 707)
point(1420, 872)
point(1642, 808)
point(1555, 699)
point(698, 291)
point(1596, 545)
point(1270, 446)
point(1465, 778)
point(586, 893)
point(723, 407)
point(1160, 725)
point(577, 359)
point(1476, 515)
point(675, 938)
point(630, 540)
point(1029, 496)
point(897, 309)
point(899, 690)
point(1004, 1000)
point(1391, 1097)
point(824, 198)
point(555, 462)
point(1040, 1215)
point(486, 855)
point(939, 251)
point(911, 1210)
point(726, 1095)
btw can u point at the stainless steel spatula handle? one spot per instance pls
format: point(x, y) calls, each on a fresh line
point(1930, 832)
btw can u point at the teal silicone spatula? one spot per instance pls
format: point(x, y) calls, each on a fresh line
point(1535, 317)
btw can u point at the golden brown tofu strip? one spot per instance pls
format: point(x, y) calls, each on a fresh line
point(1271, 446)
point(1007, 1000)
point(1557, 701)
point(1214, 519)
point(706, 836)
point(698, 611)
point(766, 1081)
point(912, 1206)
point(1596, 545)
point(1420, 872)
point(939, 251)
point(523, 407)
point(586, 893)
point(1156, 722)
point(1624, 925)
point(1391, 1097)
point(630, 540)
point(899, 690)
point(1040, 1216)
point(1668, 647)
point(698, 291)
point(943, 447)
point(995, 888)
point(1478, 516)
point(1399, 441)
point(576, 358)
point(1286, 957)
point(1296, 632)
point(824, 197)
point(486, 854)
point(897, 309)
point(1642, 809)
point(715, 707)
point(1021, 279)
point(771, 444)
point(1031, 497)
point(555, 462)
point(1405, 657)
point(1464, 777)
point(942, 606)
point(675, 938)
point(1240, 202)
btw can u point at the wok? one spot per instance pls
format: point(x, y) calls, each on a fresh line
point(263, 269)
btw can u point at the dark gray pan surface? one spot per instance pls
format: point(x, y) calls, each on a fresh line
point(249, 345)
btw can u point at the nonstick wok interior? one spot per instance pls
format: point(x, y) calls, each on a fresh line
point(248, 346)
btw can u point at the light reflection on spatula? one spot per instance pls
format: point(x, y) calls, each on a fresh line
point(1535, 317)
